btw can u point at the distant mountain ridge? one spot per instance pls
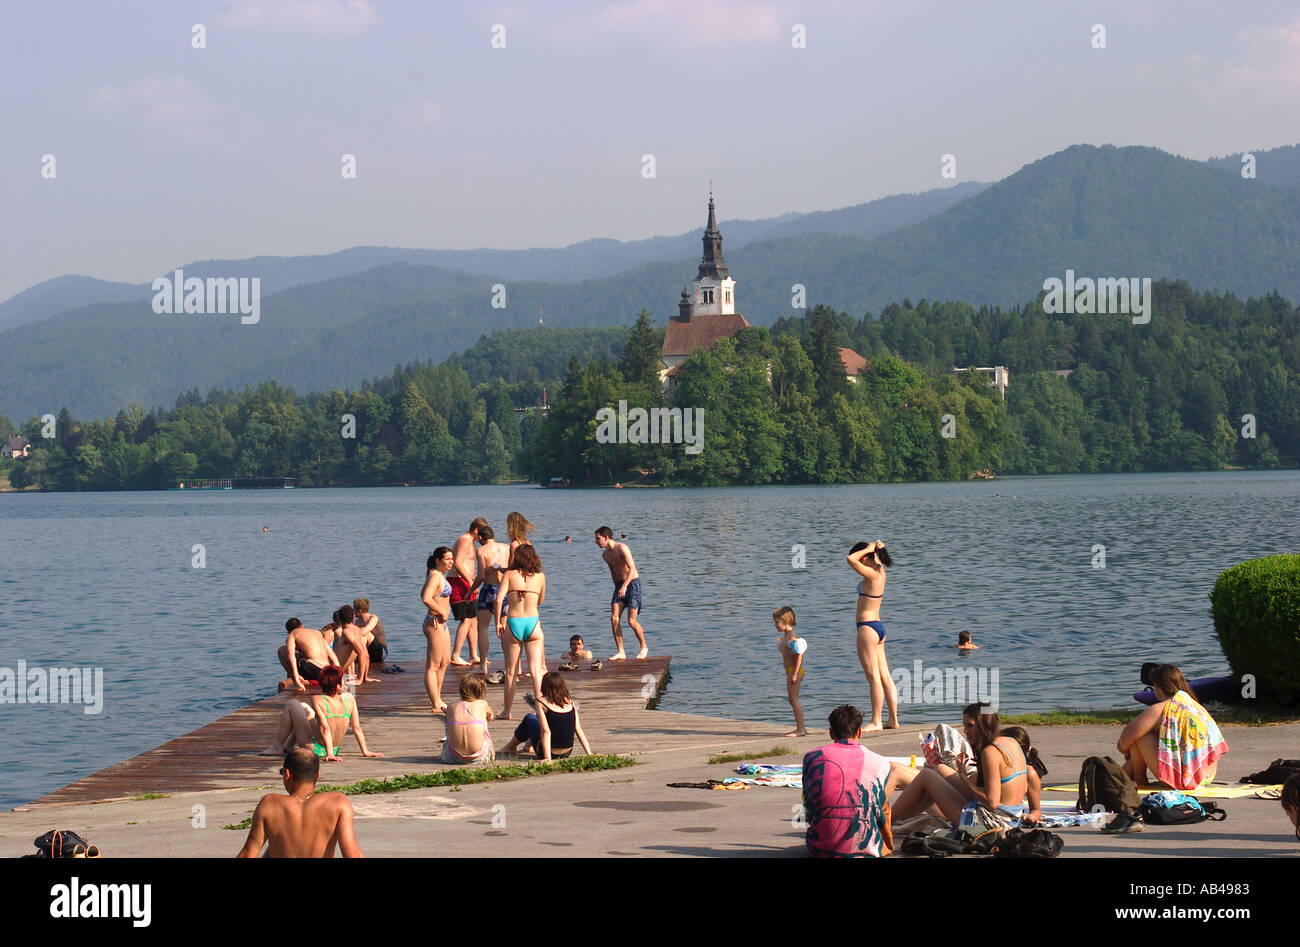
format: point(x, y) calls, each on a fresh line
point(1101, 211)
point(589, 259)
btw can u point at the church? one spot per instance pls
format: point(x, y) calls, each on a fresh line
point(707, 311)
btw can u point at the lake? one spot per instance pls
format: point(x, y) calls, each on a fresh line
point(105, 580)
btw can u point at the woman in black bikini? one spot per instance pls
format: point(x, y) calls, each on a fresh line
point(869, 561)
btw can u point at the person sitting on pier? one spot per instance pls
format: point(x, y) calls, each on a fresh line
point(845, 792)
point(552, 730)
point(1175, 738)
point(373, 630)
point(351, 645)
point(303, 824)
point(468, 739)
point(321, 726)
point(304, 654)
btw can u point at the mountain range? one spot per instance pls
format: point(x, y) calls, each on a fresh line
point(332, 321)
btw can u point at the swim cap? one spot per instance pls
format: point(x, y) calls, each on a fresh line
point(798, 646)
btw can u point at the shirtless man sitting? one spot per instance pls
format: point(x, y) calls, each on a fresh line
point(350, 645)
point(373, 630)
point(627, 590)
point(302, 824)
point(304, 653)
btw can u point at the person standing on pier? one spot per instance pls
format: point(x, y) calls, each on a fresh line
point(493, 559)
point(627, 590)
point(464, 582)
point(436, 596)
point(869, 561)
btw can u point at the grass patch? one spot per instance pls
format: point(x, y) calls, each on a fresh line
point(486, 774)
point(1248, 713)
point(653, 702)
point(246, 824)
point(780, 750)
point(148, 795)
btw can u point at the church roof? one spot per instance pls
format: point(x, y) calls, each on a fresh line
point(854, 364)
point(683, 338)
point(711, 263)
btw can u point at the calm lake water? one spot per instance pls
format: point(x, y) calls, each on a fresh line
point(105, 580)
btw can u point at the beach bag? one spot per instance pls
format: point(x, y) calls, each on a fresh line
point(976, 819)
point(1028, 843)
point(944, 745)
point(1176, 808)
point(1103, 783)
point(60, 844)
point(1279, 771)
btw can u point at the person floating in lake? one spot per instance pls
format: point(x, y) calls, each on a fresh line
point(1175, 738)
point(321, 726)
point(792, 651)
point(468, 739)
point(627, 591)
point(869, 561)
point(964, 643)
point(303, 823)
point(304, 654)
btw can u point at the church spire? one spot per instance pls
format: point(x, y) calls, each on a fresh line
point(712, 264)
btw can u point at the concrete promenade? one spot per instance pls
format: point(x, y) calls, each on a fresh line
point(619, 813)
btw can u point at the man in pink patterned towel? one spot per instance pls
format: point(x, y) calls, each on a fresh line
point(844, 793)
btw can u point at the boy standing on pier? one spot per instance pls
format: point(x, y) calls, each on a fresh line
point(627, 590)
point(792, 651)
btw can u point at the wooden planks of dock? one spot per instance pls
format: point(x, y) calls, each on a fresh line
point(395, 717)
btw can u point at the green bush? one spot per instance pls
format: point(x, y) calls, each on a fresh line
point(1256, 609)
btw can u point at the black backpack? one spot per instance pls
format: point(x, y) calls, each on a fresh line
point(1103, 783)
point(1279, 771)
point(1029, 843)
point(1188, 812)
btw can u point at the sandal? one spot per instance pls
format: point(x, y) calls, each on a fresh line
point(567, 666)
point(597, 666)
point(496, 677)
point(1272, 792)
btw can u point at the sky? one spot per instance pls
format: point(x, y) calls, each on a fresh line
point(512, 125)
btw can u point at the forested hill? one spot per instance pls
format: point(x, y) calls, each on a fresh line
point(1106, 211)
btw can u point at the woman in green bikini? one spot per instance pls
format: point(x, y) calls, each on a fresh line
point(519, 626)
point(322, 726)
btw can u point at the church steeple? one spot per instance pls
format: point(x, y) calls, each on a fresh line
point(684, 305)
point(712, 265)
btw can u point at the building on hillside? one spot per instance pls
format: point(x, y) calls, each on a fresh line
point(854, 364)
point(15, 445)
point(997, 375)
point(707, 309)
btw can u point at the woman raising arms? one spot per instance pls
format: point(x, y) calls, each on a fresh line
point(869, 561)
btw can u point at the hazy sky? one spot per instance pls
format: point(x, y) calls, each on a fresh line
point(166, 153)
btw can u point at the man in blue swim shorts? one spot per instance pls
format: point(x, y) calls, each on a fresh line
point(627, 590)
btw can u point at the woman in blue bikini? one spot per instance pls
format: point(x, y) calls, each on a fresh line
point(1001, 769)
point(436, 596)
point(523, 589)
point(869, 561)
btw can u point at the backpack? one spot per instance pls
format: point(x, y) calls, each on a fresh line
point(60, 844)
point(1279, 771)
point(1177, 808)
point(1103, 783)
point(1029, 843)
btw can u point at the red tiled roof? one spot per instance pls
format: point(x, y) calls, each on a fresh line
point(854, 364)
point(683, 338)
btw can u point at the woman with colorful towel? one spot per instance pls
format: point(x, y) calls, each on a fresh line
point(1175, 738)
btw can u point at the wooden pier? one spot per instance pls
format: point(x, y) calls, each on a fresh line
point(395, 717)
